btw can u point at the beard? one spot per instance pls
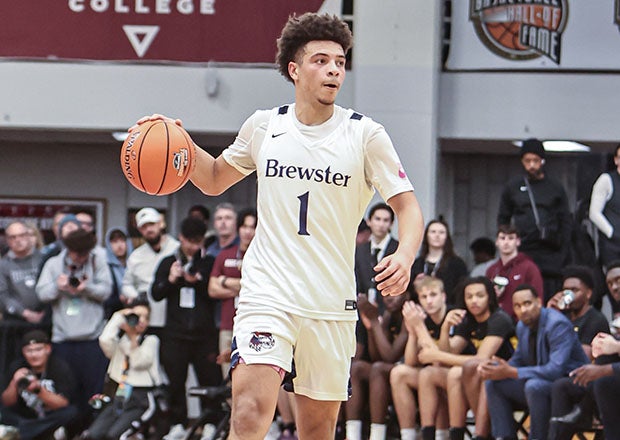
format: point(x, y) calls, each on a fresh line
point(154, 240)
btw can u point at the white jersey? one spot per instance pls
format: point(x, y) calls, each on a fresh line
point(314, 184)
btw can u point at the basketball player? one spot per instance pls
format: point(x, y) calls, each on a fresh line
point(316, 165)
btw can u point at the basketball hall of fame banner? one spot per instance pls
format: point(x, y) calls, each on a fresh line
point(148, 30)
point(534, 35)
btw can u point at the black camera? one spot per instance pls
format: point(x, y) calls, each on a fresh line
point(74, 281)
point(25, 381)
point(132, 319)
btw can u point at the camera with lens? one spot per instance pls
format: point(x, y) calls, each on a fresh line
point(568, 296)
point(25, 381)
point(74, 281)
point(190, 268)
point(132, 319)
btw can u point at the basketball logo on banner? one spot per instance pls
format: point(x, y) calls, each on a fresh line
point(521, 30)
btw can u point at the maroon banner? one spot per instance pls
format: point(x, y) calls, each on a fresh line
point(149, 30)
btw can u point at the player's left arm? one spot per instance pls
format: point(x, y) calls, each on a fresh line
point(394, 271)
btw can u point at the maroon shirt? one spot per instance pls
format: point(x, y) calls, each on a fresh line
point(520, 270)
point(228, 263)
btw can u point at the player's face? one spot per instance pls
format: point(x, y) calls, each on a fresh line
point(532, 163)
point(526, 306)
point(437, 235)
point(224, 222)
point(613, 282)
point(380, 224)
point(477, 300)
point(507, 244)
point(431, 299)
point(318, 72)
point(247, 230)
point(19, 239)
point(581, 291)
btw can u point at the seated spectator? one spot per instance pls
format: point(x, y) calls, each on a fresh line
point(612, 279)
point(437, 259)
point(574, 301)
point(134, 367)
point(481, 330)
point(483, 251)
point(512, 268)
point(385, 339)
point(423, 323)
point(76, 284)
point(548, 349)
point(38, 398)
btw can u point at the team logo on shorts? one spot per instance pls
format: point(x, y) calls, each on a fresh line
point(262, 341)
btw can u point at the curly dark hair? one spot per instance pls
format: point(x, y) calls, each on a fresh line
point(309, 27)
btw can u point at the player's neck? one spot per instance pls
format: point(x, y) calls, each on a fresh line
point(309, 114)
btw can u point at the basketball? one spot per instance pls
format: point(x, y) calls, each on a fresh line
point(157, 157)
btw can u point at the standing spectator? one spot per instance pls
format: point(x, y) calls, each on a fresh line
point(605, 212)
point(67, 223)
point(202, 212)
point(538, 207)
point(189, 335)
point(483, 250)
point(224, 222)
point(118, 249)
point(437, 259)
point(143, 262)
point(548, 349)
point(367, 255)
point(481, 330)
point(225, 282)
point(134, 366)
point(385, 337)
point(574, 301)
point(22, 310)
point(76, 284)
point(38, 398)
point(512, 269)
point(423, 323)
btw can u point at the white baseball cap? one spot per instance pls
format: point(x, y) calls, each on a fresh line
point(147, 215)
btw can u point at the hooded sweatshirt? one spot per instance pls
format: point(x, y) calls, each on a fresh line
point(117, 269)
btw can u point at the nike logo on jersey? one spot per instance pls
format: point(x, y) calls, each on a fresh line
point(274, 169)
point(275, 135)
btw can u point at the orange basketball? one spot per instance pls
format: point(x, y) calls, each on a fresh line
point(158, 157)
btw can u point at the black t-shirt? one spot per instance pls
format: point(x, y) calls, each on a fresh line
point(498, 324)
point(57, 378)
point(589, 325)
point(433, 328)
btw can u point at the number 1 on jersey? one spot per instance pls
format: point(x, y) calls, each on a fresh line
point(303, 213)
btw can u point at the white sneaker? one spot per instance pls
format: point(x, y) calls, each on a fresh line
point(60, 434)
point(208, 431)
point(177, 432)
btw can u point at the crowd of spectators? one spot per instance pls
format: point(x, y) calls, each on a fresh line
point(516, 333)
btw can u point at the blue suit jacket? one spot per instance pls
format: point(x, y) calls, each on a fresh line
point(558, 350)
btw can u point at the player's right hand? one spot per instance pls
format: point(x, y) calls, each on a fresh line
point(155, 117)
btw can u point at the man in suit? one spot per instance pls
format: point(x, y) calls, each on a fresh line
point(380, 220)
point(548, 349)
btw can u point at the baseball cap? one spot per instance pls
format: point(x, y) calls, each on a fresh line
point(147, 215)
point(35, 337)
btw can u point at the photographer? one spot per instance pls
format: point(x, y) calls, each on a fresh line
point(76, 283)
point(134, 367)
point(37, 399)
point(190, 335)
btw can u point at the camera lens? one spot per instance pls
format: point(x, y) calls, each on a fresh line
point(132, 319)
point(24, 382)
point(74, 281)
